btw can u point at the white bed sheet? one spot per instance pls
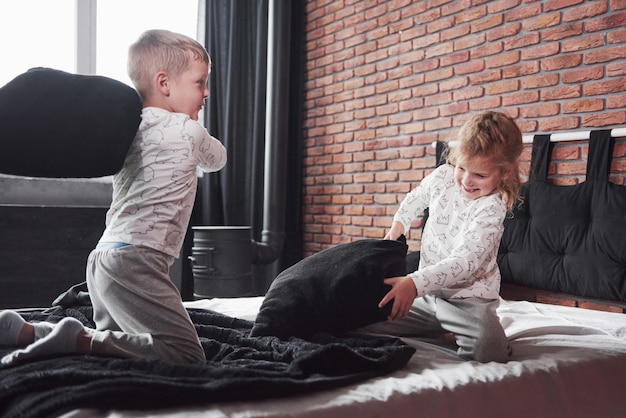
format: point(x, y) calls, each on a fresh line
point(567, 362)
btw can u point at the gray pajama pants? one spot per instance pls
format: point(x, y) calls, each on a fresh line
point(138, 311)
point(473, 321)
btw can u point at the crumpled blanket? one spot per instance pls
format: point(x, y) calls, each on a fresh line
point(238, 368)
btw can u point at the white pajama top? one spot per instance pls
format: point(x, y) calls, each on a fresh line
point(460, 240)
point(154, 192)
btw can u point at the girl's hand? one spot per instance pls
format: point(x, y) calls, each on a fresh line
point(403, 293)
point(395, 231)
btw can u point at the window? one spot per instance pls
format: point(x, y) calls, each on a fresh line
point(31, 38)
point(43, 33)
point(117, 29)
point(78, 36)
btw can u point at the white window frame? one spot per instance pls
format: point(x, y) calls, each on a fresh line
point(86, 33)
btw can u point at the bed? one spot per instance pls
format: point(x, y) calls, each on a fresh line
point(567, 361)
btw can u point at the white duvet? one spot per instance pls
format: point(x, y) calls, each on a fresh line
point(567, 362)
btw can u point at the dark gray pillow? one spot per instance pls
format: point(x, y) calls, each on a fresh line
point(333, 291)
point(57, 124)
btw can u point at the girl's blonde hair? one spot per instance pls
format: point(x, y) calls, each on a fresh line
point(161, 50)
point(496, 136)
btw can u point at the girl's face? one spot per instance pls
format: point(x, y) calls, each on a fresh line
point(477, 177)
point(189, 90)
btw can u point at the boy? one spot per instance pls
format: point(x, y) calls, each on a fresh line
point(137, 309)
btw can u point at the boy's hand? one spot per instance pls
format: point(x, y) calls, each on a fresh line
point(403, 293)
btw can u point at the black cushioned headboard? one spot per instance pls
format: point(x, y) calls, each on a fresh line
point(569, 239)
point(57, 124)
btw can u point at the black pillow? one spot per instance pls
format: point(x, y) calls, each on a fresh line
point(569, 239)
point(56, 124)
point(333, 291)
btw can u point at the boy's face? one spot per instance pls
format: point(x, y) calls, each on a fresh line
point(189, 90)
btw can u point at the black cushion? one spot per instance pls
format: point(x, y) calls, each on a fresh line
point(569, 239)
point(57, 124)
point(333, 291)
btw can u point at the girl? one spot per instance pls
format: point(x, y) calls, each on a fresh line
point(456, 287)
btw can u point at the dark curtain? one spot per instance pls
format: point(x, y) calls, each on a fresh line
point(236, 37)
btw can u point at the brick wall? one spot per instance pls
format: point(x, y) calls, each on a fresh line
point(384, 79)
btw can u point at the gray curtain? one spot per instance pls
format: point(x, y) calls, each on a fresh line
point(236, 37)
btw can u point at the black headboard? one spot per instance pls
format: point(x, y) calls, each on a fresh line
point(569, 239)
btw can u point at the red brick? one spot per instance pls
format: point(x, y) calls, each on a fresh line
point(501, 87)
point(562, 32)
point(538, 81)
point(488, 49)
point(437, 124)
point(605, 55)
point(540, 110)
point(438, 99)
point(616, 36)
point(522, 41)
point(605, 87)
point(561, 62)
point(440, 74)
point(618, 4)
point(567, 152)
point(439, 49)
point(546, 49)
point(559, 124)
point(454, 109)
point(587, 105)
point(440, 24)
point(613, 20)
point(586, 74)
point(504, 31)
point(541, 22)
point(469, 41)
point(551, 5)
point(488, 23)
point(503, 60)
point(523, 97)
point(521, 70)
point(453, 84)
point(469, 67)
point(559, 93)
point(588, 9)
point(604, 119)
point(412, 128)
point(455, 32)
point(616, 102)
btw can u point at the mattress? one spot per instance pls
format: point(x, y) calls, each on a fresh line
point(567, 362)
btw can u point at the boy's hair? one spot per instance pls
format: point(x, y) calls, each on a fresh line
point(496, 136)
point(161, 50)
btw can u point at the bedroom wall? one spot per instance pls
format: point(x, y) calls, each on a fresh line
point(384, 79)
